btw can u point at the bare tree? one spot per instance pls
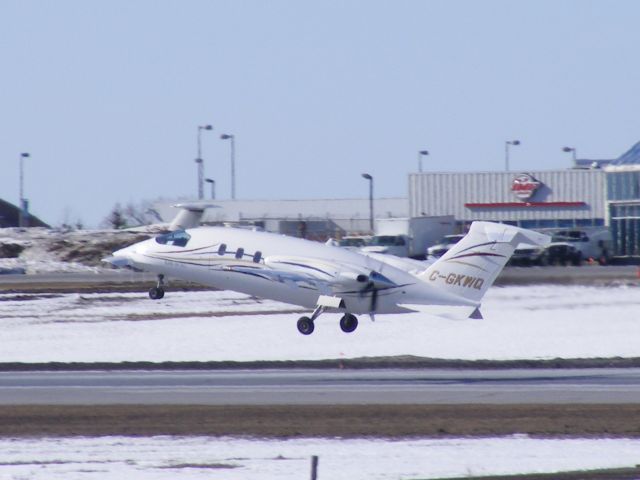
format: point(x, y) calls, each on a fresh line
point(131, 215)
point(116, 219)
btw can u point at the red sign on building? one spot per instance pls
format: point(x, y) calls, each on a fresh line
point(524, 186)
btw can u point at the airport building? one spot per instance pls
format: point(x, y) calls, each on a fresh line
point(315, 219)
point(595, 193)
point(534, 199)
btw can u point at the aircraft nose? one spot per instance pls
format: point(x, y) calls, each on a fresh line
point(125, 256)
point(125, 252)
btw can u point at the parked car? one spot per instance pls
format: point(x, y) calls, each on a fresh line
point(397, 245)
point(575, 246)
point(408, 236)
point(353, 242)
point(443, 246)
point(563, 253)
point(526, 254)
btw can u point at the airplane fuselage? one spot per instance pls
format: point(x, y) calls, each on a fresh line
point(240, 260)
point(327, 278)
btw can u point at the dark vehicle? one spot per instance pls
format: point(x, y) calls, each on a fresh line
point(561, 253)
point(353, 242)
point(575, 246)
point(526, 255)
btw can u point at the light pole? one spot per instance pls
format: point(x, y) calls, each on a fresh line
point(573, 151)
point(232, 138)
point(370, 178)
point(23, 216)
point(213, 187)
point(200, 162)
point(506, 152)
point(421, 153)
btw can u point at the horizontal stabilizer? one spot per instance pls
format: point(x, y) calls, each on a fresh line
point(189, 216)
point(448, 312)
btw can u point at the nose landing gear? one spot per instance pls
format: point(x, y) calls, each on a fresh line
point(157, 292)
point(305, 326)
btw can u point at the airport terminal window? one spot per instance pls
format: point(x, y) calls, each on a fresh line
point(565, 223)
point(562, 223)
point(240, 253)
point(222, 249)
point(589, 222)
point(179, 238)
point(623, 185)
point(547, 224)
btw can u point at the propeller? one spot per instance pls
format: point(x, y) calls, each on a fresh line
point(374, 283)
point(370, 287)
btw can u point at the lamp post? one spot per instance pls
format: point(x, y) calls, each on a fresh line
point(573, 151)
point(213, 187)
point(23, 215)
point(200, 162)
point(421, 153)
point(506, 152)
point(370, 178)
point(232, 139)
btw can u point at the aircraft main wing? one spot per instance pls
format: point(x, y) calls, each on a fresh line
point(270, 274)
point(326, 276)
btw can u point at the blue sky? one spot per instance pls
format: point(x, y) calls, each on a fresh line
point(107, 96)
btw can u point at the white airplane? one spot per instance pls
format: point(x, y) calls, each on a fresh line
point(325, 278)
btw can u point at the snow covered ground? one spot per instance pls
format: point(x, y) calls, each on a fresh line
point(44, 250)
point(160, 458)
point(525, 322)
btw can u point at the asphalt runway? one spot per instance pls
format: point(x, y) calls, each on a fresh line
point(323, 387)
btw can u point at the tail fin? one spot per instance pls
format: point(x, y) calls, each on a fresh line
point(472, 265)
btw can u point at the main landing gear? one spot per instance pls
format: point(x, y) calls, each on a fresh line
point(348, 322)
point(157, 292)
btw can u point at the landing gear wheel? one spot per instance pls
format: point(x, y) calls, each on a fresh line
point(156, 293)
point(305, 326)
point(348, 323)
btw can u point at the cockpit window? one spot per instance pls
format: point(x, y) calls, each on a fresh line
point(240, 253)
point(222, 249)
point(179, 238)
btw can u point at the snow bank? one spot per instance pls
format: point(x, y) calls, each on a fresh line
point(536, 322)
point(160, 458)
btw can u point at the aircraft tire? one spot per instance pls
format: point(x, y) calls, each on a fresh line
point(156, 293)
point(348, 323)
point(305, 326)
